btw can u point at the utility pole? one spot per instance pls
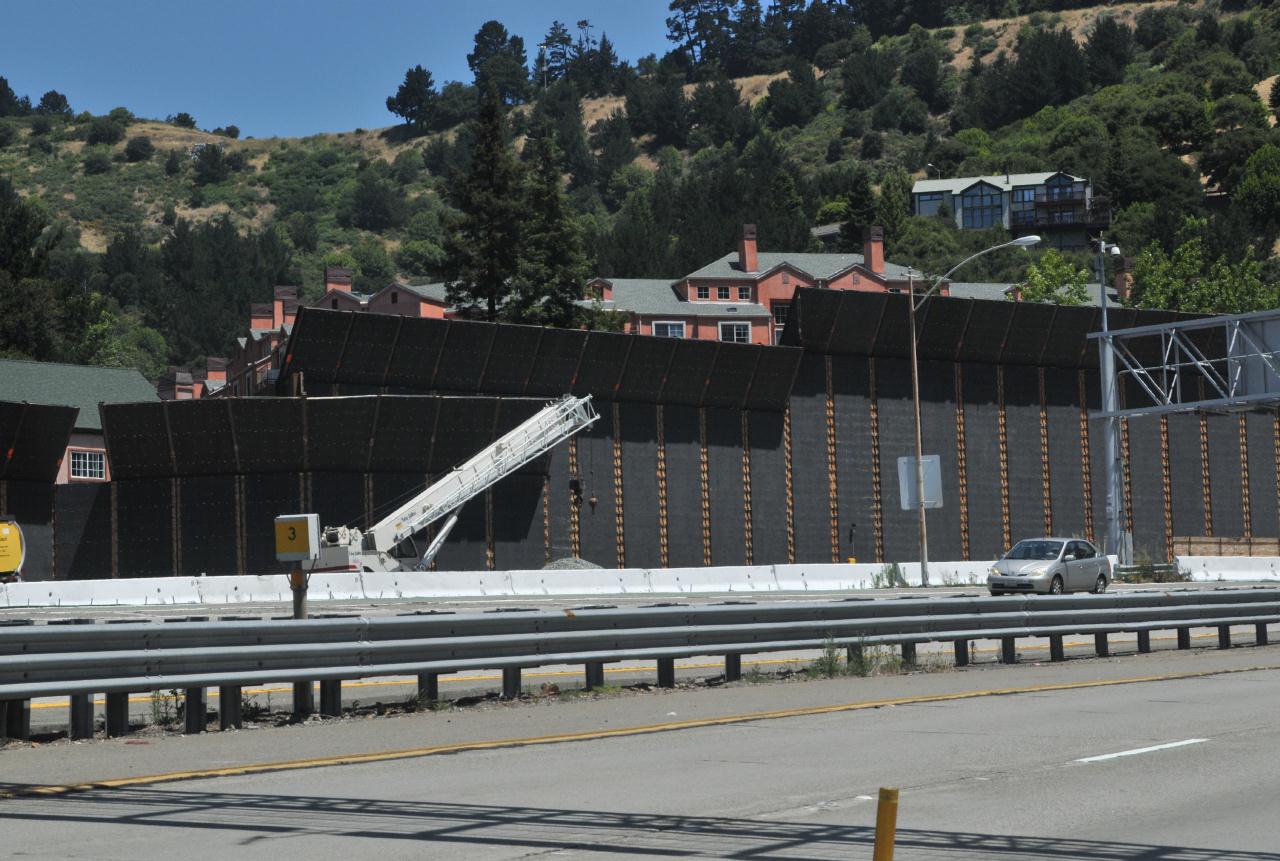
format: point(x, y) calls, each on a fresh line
point(1111, 431)
point(915, 399)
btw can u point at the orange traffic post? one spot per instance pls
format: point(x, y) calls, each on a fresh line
point(886, 824)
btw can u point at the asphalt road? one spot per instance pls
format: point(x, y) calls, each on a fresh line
point(1030, 774)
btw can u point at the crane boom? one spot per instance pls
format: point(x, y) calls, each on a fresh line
point(344, 548)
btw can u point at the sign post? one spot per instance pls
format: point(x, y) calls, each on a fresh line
point(298, 541)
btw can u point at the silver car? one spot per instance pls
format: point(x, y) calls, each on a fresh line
point(1051, 565)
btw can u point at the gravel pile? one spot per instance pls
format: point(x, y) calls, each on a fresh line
point(571, 563)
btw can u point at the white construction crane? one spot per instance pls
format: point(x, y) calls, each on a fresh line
point(345, 548)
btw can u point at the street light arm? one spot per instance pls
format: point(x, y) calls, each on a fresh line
point(1020, 242)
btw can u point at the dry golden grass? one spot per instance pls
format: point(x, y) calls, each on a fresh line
point(1263, 88)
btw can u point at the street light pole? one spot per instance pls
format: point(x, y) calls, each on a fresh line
point(912, 306)
point(1111, 431)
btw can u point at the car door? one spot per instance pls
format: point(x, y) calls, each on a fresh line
point(1077, 573)
point(1098, 562)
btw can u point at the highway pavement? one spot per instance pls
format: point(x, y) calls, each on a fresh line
point(1162, 757)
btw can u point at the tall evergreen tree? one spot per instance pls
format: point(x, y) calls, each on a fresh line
point(551, 269)
point(894, 205)
point(483, 246)
point(499, 59)
point(860, 208)
point(415, 101)
point(1108, 51)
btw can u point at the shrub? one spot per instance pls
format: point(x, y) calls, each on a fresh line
point(104, 130)
point(97, 160)
point(173, 163)
point(41, 124)
point(121, 116)
point(139, 148)
point(182, 120)
point(8, 134)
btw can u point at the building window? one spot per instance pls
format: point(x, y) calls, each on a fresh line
point(1022, 206)
point(735, 333)
point(928, 204)
point(780, 311)
point(744, 294)
point(89, 465)
point(668, 328)
point(334, 303)
point(982, 208)
point(395, 297)
point(786, 278)
point(704, 292)
point(722, 293)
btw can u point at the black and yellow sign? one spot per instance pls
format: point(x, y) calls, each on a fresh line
point(12, 549)
point(297, 537)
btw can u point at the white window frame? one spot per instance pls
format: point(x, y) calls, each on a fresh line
point(702, 291)
point(87, 465)
point(735, 323)
point(744, 294)
point(722, 293)
point(680, 323)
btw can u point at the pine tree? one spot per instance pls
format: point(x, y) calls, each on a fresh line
point(861, 203)
point(551, 268)
point(484, 245)
point(894, 206)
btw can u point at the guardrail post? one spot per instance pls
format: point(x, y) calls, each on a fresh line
point(962, 653)
point(1008, 650)
point(1260, 633)
point(1224, 636)
point(81, 716)
point(1101, 646)
point(16, 719)
point(854, 658)
point(117, 714)
point(1144, 642)
point(732, 668)
point(230, 707)
point(331, 697)
point(594, 675)
point(511, 683)
point(304, 700)
point(666, 672)
point(908, 655)
point(1184, 638)
point(1056, 652)
point(195, 711)
point(428, 688)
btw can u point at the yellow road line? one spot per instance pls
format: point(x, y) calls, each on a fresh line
point(595, 735)
point(213, 692)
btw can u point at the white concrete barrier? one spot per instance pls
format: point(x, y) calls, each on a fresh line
point(1228, 568)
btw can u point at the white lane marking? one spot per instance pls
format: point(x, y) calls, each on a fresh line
point(1139, 750)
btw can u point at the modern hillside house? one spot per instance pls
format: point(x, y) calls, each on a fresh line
point(1060, 207)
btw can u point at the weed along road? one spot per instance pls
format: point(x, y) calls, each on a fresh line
point(1169, 755)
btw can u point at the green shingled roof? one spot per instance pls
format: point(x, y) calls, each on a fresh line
point(80, 386)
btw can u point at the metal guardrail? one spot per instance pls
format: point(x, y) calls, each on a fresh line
point(116, 659)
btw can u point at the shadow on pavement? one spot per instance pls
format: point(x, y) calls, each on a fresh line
point(462, 827)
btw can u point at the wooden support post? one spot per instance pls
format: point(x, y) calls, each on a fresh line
point(428, 688)
point(595, 675)
point(962, 653)
point(331, 697)
point(1008, 650)
point(195, 711)
point(1224, 636)
point(1184, 638)
point(511, 683)
point(81, 716)
point(1144, 642)
point(908, 655)
point(1101, 645)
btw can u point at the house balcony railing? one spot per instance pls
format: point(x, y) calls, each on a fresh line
point(1051, 196)
point(1079, 216)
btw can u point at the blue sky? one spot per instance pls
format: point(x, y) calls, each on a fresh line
point(275, 67)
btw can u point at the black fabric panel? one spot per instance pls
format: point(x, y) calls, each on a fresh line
point(813, 313)
point(1147, 487)
point(560, 503)
point(775, 373)
point(465, 426)
point(207, 524)
point(517, 523)
point(1067, 343)
point(1031, 327)
point(724, 459)
point(137, 440)
point(466, 548)
point(684, 503)
point(768, 488)
point(851, 384)
point(268, 434)
point(33, 439)
point(731, 376)
point(942, 329)
point(402, 434)
point(646, 371)
point(640, 484)
point(982, 461)
point(893, 335)
point(809, 462)
point(202, 437)
point(267, 496)
point(938, 436)
point(1022, 421)
point(31, 504)
point(595, 463)
point(557, 362)
point(145, 527)
point(1066, 467)
point(83, 531)
point(1224, 475)
point(690, 370)
point(511, 360)
point(338, 497)
point(369, 345)
point(856, 323)
point(466, 352)
point(897, 439)
point(393, 489)
point(603, 362)
point(1184, 477)
point(416, 353)
point(315, 344)
point(1262, 475)
point(984, 337)
point(339, 431)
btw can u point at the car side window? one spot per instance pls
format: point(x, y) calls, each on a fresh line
point(1084, 550)
point(1074, 551)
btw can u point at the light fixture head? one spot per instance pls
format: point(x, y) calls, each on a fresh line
point(1026, 241)
point(1115, 250)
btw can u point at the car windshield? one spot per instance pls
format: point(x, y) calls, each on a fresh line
point(1035, 550)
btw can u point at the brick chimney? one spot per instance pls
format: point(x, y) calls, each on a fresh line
point(337, 278)
point(873, 249)
point(1124, 278)
point(215, 369)
point(284, 306)
point(747, 248)
point(260, 316)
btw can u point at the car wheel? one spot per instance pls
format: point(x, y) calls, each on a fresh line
point(995, 594)
point(1100, 586)
point(1055, 587)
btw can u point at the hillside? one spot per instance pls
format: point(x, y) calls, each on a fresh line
point(1166, 106)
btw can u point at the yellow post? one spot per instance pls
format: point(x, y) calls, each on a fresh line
point(886, 824)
